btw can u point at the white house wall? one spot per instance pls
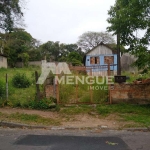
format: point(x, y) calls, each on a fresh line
point(3, 62)
point(100, 50)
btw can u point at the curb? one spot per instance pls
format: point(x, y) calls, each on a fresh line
point(25, 126)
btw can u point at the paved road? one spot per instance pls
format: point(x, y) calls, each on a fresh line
point(24, 139)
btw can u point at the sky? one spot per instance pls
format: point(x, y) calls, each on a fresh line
point(65, 20)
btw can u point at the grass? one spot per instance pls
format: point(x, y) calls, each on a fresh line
point(126, 112)
point(135, 113)
point(19, 97)
point(81, 93)
point(29, 119)
point(129, 115)
point(75, 110)
point(22, 97)
point(135, 76)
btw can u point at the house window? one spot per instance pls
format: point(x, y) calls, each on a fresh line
point(109, 59)
point(1, 59)
point(94, 60)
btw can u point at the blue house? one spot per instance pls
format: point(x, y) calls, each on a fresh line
point(97, 59)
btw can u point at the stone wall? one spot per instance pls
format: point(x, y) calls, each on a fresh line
point(130, 93)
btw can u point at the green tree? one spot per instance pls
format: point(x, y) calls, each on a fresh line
point(16, 42)
point(10, 11)
point(89, 40)
point(25, 58)
point(74, 58)
point(51, 50)
point(67, 49)
point(126, 17)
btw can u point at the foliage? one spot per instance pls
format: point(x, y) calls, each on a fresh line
point(16, 43)
point(25, 58)
point(143, 60)
point(81, 93)
point(35, 55)
point(10, 11)
point(75, 58)
point(20, 81)
point(2, 89)
point(55, 51)
point(42, 104)
point(29, 119)
point(126, 18)
point(129, 112)
point(51, 50)
point(89, 40)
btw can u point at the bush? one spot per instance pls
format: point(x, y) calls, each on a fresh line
point(20, 81)
point(43, 104)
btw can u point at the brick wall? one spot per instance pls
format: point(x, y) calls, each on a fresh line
point(130, 93)
point(49, 91)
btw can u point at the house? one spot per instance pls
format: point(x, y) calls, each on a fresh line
point(3, 61)
point(97, 59)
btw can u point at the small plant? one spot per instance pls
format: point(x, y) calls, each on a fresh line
point(20, 81)
point(43, 104)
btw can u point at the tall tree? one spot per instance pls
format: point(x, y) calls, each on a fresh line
point(10, 14)
point(126, 18)
point(51, 50)
point(17, 42)
point(89, 40)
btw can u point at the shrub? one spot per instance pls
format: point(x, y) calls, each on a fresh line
point(43, 104)
point(20, 81)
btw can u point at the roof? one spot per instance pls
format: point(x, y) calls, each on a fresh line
point(106, 45)
point(3, 55)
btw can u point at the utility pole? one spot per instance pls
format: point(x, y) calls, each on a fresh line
point(118, 46)
point(118, 55)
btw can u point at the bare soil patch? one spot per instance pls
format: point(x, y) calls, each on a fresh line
point(77, 121)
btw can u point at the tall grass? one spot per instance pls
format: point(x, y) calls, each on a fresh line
point(18, 97)
point(84, 92)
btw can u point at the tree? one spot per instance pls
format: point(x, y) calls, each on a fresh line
point(68, 48)
point(89, 40)
point(56, 51)
point(51, 50)
point(74, 58)
point(17, 42)
point(126, 18)
point(10, 14)
point(25, 58)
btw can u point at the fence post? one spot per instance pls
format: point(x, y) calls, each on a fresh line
point(108, 68)
point(91, 92)
point(57, 90)
point(6, 87)
point(37, 86)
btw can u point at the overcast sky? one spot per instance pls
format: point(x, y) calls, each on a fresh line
point(65, 20)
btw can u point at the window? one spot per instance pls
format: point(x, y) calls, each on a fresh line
point(94, 60)
point(109, 59)
point(1, 59)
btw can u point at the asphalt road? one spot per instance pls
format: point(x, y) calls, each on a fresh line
point(24, 139)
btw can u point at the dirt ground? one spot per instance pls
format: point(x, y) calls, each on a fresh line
point(77, 121)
